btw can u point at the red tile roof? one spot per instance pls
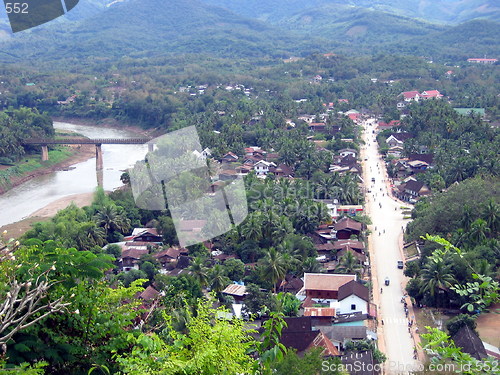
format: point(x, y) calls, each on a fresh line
point(134, 253)
point(410, 94)
point(326, 282)
point(348, 223)
point(321, 341)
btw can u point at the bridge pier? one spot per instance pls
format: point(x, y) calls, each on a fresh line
point(100, 177)
point(98, 157)
point(45, 153)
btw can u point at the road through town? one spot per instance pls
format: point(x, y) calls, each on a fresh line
point(385, 245)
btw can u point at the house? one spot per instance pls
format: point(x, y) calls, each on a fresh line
point(482, 61)
point(343, 101)
point(272, 156)
point(359, 363)
point(320, 316)
point(395, 151)
point(149, 294)
point(353, 297)
point(300, 335)
point(229, 158)
point(341, 335)
point(347, 227)
point(291, 284)
point(221, 257)
point(317, 78)
point(354, 116)
point(307, 118)
point(144, 235)
point(361, 257)
point(347, 151)
point(282, 170)
point(254, 151)
point(170, 255)
point(412, 190)
point(358, 246)
point(469, 341)
point(409, 96)
point(392, 124)
point(317, 127)
point(237, 291)
point(323, 286)
point(397, 139)
point(392, 141)
point(431, 94)
point(417, 166)
point(262, 167)
point(130, 258)
point(325, 251)
point(428, 158)
point(322, 235)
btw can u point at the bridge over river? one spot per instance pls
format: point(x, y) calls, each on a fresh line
point(45, 142)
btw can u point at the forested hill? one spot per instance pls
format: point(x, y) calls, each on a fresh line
point(471, 39)
point(152, 28)
point(442, 11)
point(345, 24)
point(143, 28)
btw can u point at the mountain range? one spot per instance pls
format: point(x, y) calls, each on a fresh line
point(441, 11)
point(110, 29)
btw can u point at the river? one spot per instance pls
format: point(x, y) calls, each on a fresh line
point(38, 192)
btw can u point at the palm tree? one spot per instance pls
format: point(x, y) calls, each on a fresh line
point(348, 263)
point(437, 276)
point(252, 227)
point(467, 217)
point(274, 267)
point(199, 271)
point(218, 278)
point(311, 265)
point(111, 219)
point(492, 216)
point(479, 230)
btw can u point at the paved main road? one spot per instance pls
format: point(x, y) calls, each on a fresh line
point(385, 251)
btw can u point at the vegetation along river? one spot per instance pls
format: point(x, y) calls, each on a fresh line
point(34, 194)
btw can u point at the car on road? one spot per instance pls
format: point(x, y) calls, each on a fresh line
point(387, 281)
point(373, 179)
point(400, 264)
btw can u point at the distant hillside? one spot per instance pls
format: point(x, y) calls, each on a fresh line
point(471, 39)
point(356, 26)
point(141, 28)
point(444, 11)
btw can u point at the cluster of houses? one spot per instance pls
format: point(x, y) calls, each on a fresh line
point(415, 96)
point(404, 170)
point(201, 89)
point(255, 159)
point(334, 241)
point(335, 309)
point(346, 162)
